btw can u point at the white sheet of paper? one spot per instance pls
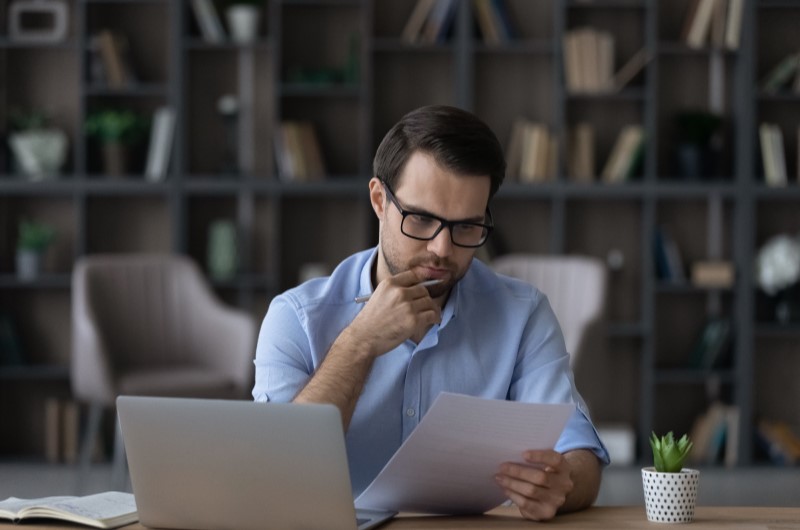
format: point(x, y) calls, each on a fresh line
point(447, 465)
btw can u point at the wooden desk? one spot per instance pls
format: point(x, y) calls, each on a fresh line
point(610, 517)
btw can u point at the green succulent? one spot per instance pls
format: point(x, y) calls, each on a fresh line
point(668, 455)
point(122, 126)
point(35, 236)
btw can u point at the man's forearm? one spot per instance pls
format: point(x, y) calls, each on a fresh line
point(340, 378)
point(586, 472)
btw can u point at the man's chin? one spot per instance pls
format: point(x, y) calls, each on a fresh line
point(440, 289)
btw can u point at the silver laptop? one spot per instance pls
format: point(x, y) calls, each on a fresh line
point(239, 465)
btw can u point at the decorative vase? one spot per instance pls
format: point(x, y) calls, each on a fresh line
point(29, 264)
point(115, 159)
point(243, 22)
point(670, 497)
point(39, 153)
point(222, 255)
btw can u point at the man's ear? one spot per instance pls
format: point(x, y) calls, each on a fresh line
point(377, 197)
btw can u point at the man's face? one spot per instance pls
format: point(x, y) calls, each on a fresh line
point(425, 187)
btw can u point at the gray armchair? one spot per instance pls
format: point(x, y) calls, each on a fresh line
point(575, 286)
point(151, 325)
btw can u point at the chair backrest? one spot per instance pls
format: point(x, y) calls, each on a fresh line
point(134, 311)
point(575, 286)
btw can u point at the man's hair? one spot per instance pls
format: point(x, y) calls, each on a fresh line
point(456, 139)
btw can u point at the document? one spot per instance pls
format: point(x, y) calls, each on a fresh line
point(447, 465)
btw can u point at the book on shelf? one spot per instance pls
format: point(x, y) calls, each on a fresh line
point(532, 152)
point(208, 21)
point(10, 349)
point(713, 274)
point(668, 257)
point(780, 75)
point(625, 156)
point(115, 54)
point(718, 18)
point(439, 21)
point(772, 155)
point(713, 345)
point(779, 442)
point(416, 21)
point(62, 432)
point(110, 509)
point(697, 25)
point(298, 153)
point(630, 69)
point(589, 60)
point(580, 153)
point(733, 24)
point(715, 434)
point(162, 132)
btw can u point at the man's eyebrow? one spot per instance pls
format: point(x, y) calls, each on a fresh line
point(422, 211)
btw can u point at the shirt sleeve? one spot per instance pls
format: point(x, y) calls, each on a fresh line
point(283, 359)
point(543, 375)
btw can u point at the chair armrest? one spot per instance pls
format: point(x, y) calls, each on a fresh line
point(91, 375)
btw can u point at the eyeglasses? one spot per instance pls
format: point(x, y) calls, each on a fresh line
point(425, 226)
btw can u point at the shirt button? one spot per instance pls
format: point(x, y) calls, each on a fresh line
point(410, 412)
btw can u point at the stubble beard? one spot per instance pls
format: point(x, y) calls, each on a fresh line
point(396, 266)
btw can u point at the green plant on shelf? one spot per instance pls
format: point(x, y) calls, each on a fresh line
point(116, 126)
point(668, 453)
point(35, 236)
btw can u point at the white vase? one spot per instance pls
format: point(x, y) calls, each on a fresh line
point(29, 264)
point(670, 497)
point(243, 22)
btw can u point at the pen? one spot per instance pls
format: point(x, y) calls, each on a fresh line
point(426, 283)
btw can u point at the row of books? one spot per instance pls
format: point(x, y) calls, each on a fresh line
point(773, 156)
point(298, 152)
point(589, 65)
point(61, 431)
point(714, 22)
point(494, 21)
point(715, 435)
point(430, 21)
point(779, 442)
point(532, 153)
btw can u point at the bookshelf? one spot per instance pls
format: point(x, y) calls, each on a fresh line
point(345, 66)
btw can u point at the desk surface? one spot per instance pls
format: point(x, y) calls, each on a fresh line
point(616, 517)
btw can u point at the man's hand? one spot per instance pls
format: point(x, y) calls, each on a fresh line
point(540, 487)
point(549, 482)
point(399, 309)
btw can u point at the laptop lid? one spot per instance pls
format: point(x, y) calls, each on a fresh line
point(215, 464)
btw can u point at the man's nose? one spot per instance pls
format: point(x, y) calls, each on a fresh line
point(442, 244)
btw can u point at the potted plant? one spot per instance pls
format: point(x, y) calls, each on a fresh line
point(33, 240)
point(243, 18)
point(39, 149)
point(117, 131)
point(670, 490)
point(698, 156)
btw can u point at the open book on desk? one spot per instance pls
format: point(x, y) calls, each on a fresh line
point(110, 509)
point(447, 465)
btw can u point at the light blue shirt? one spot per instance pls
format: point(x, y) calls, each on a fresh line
point(498, 339)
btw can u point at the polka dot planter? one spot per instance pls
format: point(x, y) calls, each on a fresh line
point(670, 497)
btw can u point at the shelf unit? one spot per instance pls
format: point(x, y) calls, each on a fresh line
point(282, 225)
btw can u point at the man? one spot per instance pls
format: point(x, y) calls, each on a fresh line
point(383, 362)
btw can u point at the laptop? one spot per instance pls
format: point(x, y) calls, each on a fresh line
point(215, 464)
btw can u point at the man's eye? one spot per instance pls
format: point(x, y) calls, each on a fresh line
point(468, 229)
point(421, 220)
